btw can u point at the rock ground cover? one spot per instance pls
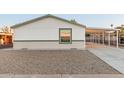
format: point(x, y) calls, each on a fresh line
point(52, 62)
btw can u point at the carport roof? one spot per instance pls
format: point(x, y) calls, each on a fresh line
point(98, 30)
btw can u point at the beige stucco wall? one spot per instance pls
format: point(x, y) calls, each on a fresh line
point(48, 45)
point(47, 29)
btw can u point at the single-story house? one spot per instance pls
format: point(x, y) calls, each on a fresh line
point(49, 32)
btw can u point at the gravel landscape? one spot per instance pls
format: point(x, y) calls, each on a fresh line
point(52, 62)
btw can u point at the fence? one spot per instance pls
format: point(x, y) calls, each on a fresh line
point(6, 46)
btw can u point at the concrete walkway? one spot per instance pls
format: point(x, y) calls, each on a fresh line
point(112, 56)
point(94, 45)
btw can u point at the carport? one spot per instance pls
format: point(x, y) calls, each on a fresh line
point(103, 36)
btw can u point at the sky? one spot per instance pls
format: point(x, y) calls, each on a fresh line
point(90, 20)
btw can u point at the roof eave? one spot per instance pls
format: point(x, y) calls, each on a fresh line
point(46, 16)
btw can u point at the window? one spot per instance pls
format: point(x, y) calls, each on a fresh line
point(65, 35)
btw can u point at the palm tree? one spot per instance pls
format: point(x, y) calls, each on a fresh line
point(111, 25)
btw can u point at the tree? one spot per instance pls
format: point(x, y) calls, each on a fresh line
point(6, 29)
point(121, 30)
point(73, 21)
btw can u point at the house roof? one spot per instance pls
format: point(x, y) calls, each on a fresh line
point(46, 16)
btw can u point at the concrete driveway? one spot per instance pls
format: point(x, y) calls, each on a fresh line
point(112, 56)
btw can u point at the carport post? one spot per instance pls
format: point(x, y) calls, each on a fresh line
point(89, 38)
point(99, 34)
point(93, 38)
point(109, 39)
point(96, 37)
point(103, 35)
point(117, 38)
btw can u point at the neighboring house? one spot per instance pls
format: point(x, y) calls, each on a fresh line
point(5, 36)
point(5, 39)
point(49, 32)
